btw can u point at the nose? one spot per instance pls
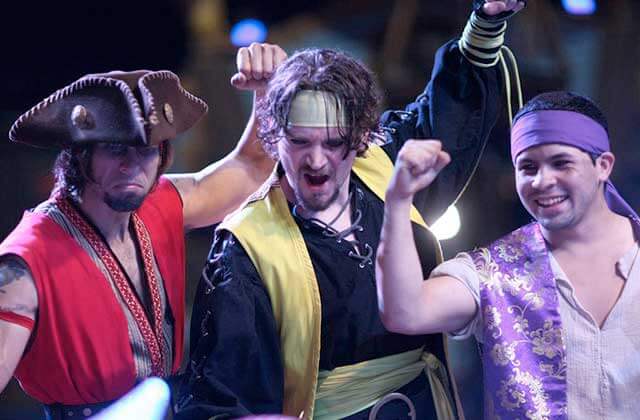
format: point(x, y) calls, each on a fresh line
point(316, 158)
point(129, 160)
point(543, 179)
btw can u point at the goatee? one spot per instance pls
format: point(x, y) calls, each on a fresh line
point(315, 205)
point(124, 202)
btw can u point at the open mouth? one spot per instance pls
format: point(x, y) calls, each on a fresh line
point(551, 201)
point(316, 180)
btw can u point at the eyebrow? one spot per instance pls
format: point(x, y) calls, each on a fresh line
point(562, 155)
point(303, 138)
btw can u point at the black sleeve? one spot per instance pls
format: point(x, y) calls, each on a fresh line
point(235, 367)
point(459, 107)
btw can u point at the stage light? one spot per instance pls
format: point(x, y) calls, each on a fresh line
point(448, 225)
point(147, 401)
point(580, 7)
point(247, 31)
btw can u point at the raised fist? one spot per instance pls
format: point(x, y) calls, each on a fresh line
point(256, 63)
point(500, 7)
point(417, 165)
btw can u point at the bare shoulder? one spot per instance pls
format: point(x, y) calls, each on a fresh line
point(17, 288)
point(184, 183)
point(181, 181)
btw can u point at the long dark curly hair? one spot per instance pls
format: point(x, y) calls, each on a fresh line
point(72, 168)
point(324, 70)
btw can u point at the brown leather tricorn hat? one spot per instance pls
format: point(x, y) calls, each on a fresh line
point(137, 108)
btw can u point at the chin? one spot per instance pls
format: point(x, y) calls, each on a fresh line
point(125, 202)
point(556, 223)
point(314, 205)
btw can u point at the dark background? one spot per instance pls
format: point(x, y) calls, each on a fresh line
point(48, 45)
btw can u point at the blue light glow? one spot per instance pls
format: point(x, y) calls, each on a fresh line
point(580, 7)
point(247, 31)
point(147, 401)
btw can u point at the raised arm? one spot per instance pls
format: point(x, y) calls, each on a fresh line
point(18, 308)
point(407, 303)
point(216, 190)
point(459, 106)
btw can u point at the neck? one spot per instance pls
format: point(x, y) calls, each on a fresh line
point(599, 225)
point(113, 225)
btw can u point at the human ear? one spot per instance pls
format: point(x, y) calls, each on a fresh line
point(604, 165)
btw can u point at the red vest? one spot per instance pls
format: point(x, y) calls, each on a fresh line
point(80, 351)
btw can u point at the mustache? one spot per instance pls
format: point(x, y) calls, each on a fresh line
point(307, 170)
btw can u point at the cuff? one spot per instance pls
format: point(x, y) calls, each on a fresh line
point(482, 40)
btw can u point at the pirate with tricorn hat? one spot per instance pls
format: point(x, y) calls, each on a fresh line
point(92, 280)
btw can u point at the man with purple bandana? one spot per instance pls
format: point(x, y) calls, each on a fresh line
point(552, 304)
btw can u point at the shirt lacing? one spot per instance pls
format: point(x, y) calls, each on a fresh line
point(329, 231)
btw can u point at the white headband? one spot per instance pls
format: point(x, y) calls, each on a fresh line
point(316, 108)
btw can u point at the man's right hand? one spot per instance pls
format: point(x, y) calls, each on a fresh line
point(417, 165)
point(256, 64)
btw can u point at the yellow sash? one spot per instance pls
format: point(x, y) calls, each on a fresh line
point(266, 230)
point(349, 389)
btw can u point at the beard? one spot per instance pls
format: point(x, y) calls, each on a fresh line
point(124, 202)
point(315, 202)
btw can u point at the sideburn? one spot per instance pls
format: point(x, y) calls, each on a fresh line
point(165, 150)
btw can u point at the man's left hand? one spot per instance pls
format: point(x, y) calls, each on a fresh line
point(417, 165)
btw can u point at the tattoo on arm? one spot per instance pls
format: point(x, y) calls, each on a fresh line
point(10, 271)
point(20, 299)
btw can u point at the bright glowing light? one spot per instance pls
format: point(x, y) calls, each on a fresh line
point(247, 31)
point(580, 7)
point(448, 225)
point(147, 401)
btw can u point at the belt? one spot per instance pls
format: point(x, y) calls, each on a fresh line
point(73, 412)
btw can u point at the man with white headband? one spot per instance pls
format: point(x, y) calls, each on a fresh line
point(286, 319)
point(554, 303)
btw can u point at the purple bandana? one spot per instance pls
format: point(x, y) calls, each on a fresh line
point(573, 129)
